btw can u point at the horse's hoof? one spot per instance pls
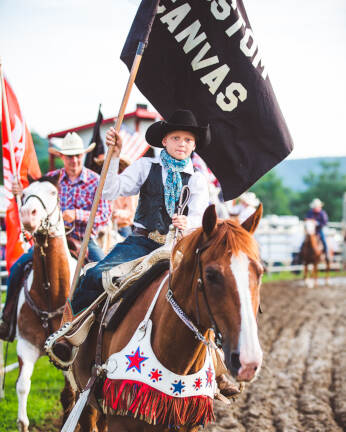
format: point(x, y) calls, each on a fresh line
point(22, 427)
point(309, 283)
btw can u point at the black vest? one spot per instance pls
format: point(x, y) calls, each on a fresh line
point(151, 210)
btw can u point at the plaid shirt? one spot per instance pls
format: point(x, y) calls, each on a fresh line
point(79, 195)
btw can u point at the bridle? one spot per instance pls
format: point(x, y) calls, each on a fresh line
point(45, 225)
point(183, 200)
point(41, 239)
point(200, 288)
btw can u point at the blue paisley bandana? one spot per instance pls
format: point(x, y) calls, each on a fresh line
point(173, 183)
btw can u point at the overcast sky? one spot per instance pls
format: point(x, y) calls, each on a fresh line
point(62, 59)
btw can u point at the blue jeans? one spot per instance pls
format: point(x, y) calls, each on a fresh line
point(16, 275)
point(95, 253)
point(125, 231)
point(323, 240)
point(90, 286)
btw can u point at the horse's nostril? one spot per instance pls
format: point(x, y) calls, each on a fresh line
point(235, 361)
point(33, 212)
point(255, 368)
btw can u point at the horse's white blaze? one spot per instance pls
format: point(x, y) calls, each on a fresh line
point(249, 347)
point(49, 196)
point(310, 226)
point(29, 353)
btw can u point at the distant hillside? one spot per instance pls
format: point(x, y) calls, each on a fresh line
point(292, 171)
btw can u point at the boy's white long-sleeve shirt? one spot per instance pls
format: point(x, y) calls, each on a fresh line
point(133, 177)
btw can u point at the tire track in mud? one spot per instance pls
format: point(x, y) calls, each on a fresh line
point(338, 386)
point(302, 384)
point(279, 392)
point(315, 403)
point(282, 324)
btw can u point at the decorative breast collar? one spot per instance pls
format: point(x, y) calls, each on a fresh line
point(137, 362)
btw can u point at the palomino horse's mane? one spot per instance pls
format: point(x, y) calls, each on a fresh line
point(228, 235)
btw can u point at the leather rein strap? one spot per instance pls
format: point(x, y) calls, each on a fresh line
point(184, 198)
point(44, 316)
point(200, 287)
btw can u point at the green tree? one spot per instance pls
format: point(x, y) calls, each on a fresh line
point(274, 196)
point(41, 148)
point(329, 185)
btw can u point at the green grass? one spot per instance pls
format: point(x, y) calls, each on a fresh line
point(287, 276)
point(44, 398)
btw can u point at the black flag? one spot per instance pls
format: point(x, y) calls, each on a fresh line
point(203, 56)
point(94, 159)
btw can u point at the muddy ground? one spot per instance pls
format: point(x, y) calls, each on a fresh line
point(302, 383)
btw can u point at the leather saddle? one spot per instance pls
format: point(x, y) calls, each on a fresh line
point(123, 284)
point(74, 247)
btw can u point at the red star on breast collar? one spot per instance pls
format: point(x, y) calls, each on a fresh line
point(136, 360)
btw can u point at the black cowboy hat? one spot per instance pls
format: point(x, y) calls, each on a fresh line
point(179, 120)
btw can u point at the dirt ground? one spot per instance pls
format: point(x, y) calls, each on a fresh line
point(302, 384)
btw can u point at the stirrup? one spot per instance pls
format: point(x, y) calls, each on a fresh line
point(52, 339)
point(75, 332)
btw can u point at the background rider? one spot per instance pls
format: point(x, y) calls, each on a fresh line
point(77, 187)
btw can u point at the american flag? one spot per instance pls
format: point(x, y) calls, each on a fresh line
point(134, 144)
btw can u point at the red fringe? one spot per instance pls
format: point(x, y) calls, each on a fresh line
point(136, 399)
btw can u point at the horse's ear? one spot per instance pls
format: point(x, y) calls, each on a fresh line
point(55, 179)
point(30, 179)
point(252, 222)
point(209, 220)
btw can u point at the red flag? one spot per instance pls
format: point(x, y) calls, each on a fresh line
point(26, 164)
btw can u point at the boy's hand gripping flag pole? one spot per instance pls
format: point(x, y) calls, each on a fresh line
point(13, 159)
point(119, 120)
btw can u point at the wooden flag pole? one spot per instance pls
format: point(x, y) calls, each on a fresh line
point(105, 167)
point(13, 160)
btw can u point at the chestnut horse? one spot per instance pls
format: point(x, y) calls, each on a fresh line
point(312, 253)
point(223, 257)
point(39, 309)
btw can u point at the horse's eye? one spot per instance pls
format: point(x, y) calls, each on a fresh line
point(213, 276)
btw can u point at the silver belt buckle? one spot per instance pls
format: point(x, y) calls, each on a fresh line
point(157, 237)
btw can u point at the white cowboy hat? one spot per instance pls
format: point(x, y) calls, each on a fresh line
point(249, 198)
point(316, 202)
point(72, 144)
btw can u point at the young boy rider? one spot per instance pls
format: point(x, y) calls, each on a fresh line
point(159, 182)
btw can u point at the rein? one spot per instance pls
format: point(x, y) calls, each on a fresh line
point(183, 200)
point(184, 317)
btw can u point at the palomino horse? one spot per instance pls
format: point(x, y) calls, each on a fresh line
point(312, 253)
point(215, 280)
point(41, 301)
